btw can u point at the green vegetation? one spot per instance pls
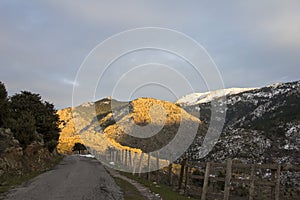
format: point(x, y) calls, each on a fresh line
point(130, 192)
point(9, 181)
point(29, 117)
point(3, 104)
point(30, 120)
point(79, 147)
point(164, 191)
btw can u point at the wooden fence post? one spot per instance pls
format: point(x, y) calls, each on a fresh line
point(157, 166)
point(141, 163)
point(181, 173)
point(170, 171)
point(205, 182)
point(122, 157)
point(134, 163)
point(126, 158)
point(111, 155)
point(130, 160)
point(277, 183)
point(186, 183)
point(115, 156)
point(227, 179)
point(149, 166)
point(252, 179)
point(107, 155)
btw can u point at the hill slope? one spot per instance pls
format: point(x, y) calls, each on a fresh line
point(144, 124)
point(262, 125)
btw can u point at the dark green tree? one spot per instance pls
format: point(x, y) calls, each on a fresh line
point(46, 120)
point(24, 128)
point(79, 147)
point(3, 104)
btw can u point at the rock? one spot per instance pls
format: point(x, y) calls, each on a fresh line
point(15, 160)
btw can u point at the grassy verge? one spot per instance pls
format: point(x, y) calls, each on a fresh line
point(130, 192)
point(9, 181)
point(164, 191)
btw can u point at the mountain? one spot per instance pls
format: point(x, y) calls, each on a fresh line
point(199, 98)
point(109, 123)
point(85, 117)
point(152, 124)
point(261, 125)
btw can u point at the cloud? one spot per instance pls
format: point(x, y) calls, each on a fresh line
point(275, 22)
point(69, 82)
point(284, 29)
point(43, 43)
point(121, 14)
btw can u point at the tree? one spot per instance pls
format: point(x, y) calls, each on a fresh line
point(3, 104)
point(24, 128)
point(79, 147)
point(40, 114)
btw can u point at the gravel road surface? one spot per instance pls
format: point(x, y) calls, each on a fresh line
point(75, 178)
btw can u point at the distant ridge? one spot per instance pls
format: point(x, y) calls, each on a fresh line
point(198, 98)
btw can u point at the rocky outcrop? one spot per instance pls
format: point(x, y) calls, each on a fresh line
point(17, 160)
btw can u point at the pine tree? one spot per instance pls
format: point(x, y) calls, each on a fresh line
point(3, 104)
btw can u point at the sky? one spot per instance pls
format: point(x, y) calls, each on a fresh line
point(43, 46)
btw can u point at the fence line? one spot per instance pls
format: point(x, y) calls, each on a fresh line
point(134, 162)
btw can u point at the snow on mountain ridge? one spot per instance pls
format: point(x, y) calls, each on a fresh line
point(197, 98)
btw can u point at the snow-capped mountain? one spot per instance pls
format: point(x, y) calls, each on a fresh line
point(261, 126)
point(198, 98)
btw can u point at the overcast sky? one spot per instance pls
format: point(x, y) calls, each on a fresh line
point(43, 43)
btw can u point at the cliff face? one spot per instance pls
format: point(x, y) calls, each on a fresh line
point(68, 137)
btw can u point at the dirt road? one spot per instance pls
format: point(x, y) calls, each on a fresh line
point(75, 178)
